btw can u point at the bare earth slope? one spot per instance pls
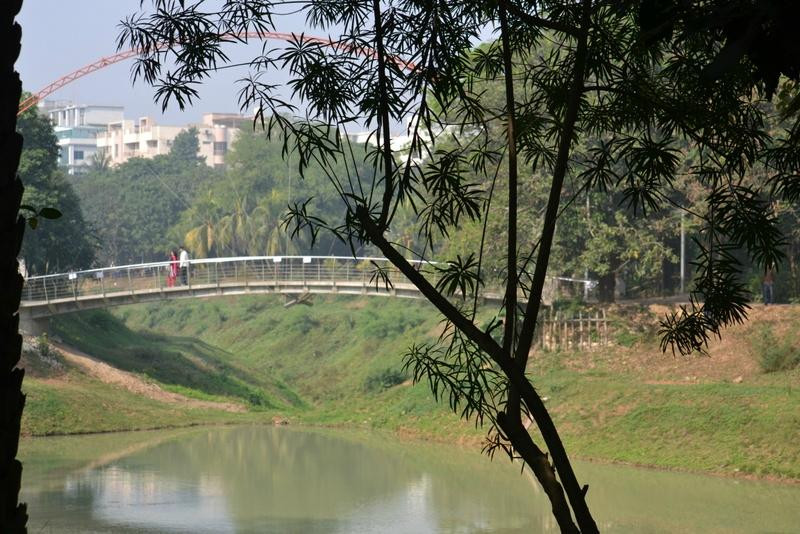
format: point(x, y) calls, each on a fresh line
point(733, 358)
point(135, 384)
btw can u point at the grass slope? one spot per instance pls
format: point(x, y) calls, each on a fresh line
point(76, 404)
point(333, 354)
point(339, 362)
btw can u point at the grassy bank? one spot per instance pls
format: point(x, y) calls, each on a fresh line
point(339, 362)
point(79, 405)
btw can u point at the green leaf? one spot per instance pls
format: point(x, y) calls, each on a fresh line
point(50, 213)
point(33, 222)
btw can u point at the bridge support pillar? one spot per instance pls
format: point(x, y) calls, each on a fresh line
point(33, 326)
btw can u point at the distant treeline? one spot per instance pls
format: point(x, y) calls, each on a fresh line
point(142, 209)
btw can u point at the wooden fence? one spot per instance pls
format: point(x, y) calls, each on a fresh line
point(581, 331)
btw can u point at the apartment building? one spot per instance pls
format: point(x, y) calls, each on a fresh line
point(144, 138)
point(135, 138)
point(216, 133)
point(77, 127)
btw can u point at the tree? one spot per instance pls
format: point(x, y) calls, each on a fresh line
point(146, 198)
point(55, 245)
point(100, 161)
point(185, 147)
point(13, 516)
point(241, 214)
point(640, 77)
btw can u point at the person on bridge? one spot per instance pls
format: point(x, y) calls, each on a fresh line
point(184, 264)
point(172, 272)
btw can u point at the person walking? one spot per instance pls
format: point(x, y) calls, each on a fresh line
point(172, 273)
point(184, 264)
point(766, 286)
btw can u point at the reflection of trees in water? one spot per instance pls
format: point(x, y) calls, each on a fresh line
point(304, 480)
point(271, 471)
point(287, 473)
point(289, 480)
point(299, 475)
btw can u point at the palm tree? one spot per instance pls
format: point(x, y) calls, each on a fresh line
point(200, 240)
point(202, 237)
point(233, 236)
point(266, 234)
point(100, 161)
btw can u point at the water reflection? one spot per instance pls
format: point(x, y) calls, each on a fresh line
point(268, 479)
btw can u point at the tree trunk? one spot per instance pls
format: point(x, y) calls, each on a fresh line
point(539, 464)
point(606, 286)
point(13, 516)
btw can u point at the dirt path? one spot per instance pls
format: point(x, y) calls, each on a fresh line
point(116, 377)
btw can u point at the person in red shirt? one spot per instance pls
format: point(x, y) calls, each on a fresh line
point(172, 273)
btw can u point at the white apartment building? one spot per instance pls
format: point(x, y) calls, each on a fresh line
point(125, 139)
point(400, 143)
point(76, 127)
point(140, 138)
point(216, 133)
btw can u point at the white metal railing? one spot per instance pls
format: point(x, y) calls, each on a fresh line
point(239, 271)
point(145, 277)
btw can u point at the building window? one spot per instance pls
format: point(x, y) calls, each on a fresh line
point(220, 148)
point(78, 154)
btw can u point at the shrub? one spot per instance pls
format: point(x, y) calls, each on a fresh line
point(41, 359)
point(101, 319)
point(389, 326)
point(257, 398)
point(255, 306)
point(145, 354)
point(384, 379)
point(44, 348)
point(775, 354)
point(300, 321)
point(626, 338)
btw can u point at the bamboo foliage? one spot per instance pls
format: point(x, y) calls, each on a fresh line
point(596, 98)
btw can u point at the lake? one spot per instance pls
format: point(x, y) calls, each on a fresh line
point(269, 479)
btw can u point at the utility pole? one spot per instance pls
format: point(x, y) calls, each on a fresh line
point(683, 254)
point(288, 203)
point(586, 270)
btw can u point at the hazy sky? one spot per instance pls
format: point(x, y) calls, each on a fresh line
point(60, 36)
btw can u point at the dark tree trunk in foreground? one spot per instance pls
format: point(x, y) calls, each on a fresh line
point(606, 287)
point(13, 516)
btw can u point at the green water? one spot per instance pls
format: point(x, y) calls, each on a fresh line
point(288, 480)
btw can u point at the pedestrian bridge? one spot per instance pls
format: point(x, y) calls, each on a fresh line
point(295, 276)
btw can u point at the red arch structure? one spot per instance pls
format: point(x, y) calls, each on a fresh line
point(127, 54)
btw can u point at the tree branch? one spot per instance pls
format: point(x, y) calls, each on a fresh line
point(485, 342)
point(537, 460)
point(535, 20)
point(388, 187)
point(532, 400)
point(482, 339)
point(511, 251)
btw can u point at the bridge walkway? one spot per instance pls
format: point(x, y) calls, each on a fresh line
point(45, 296)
